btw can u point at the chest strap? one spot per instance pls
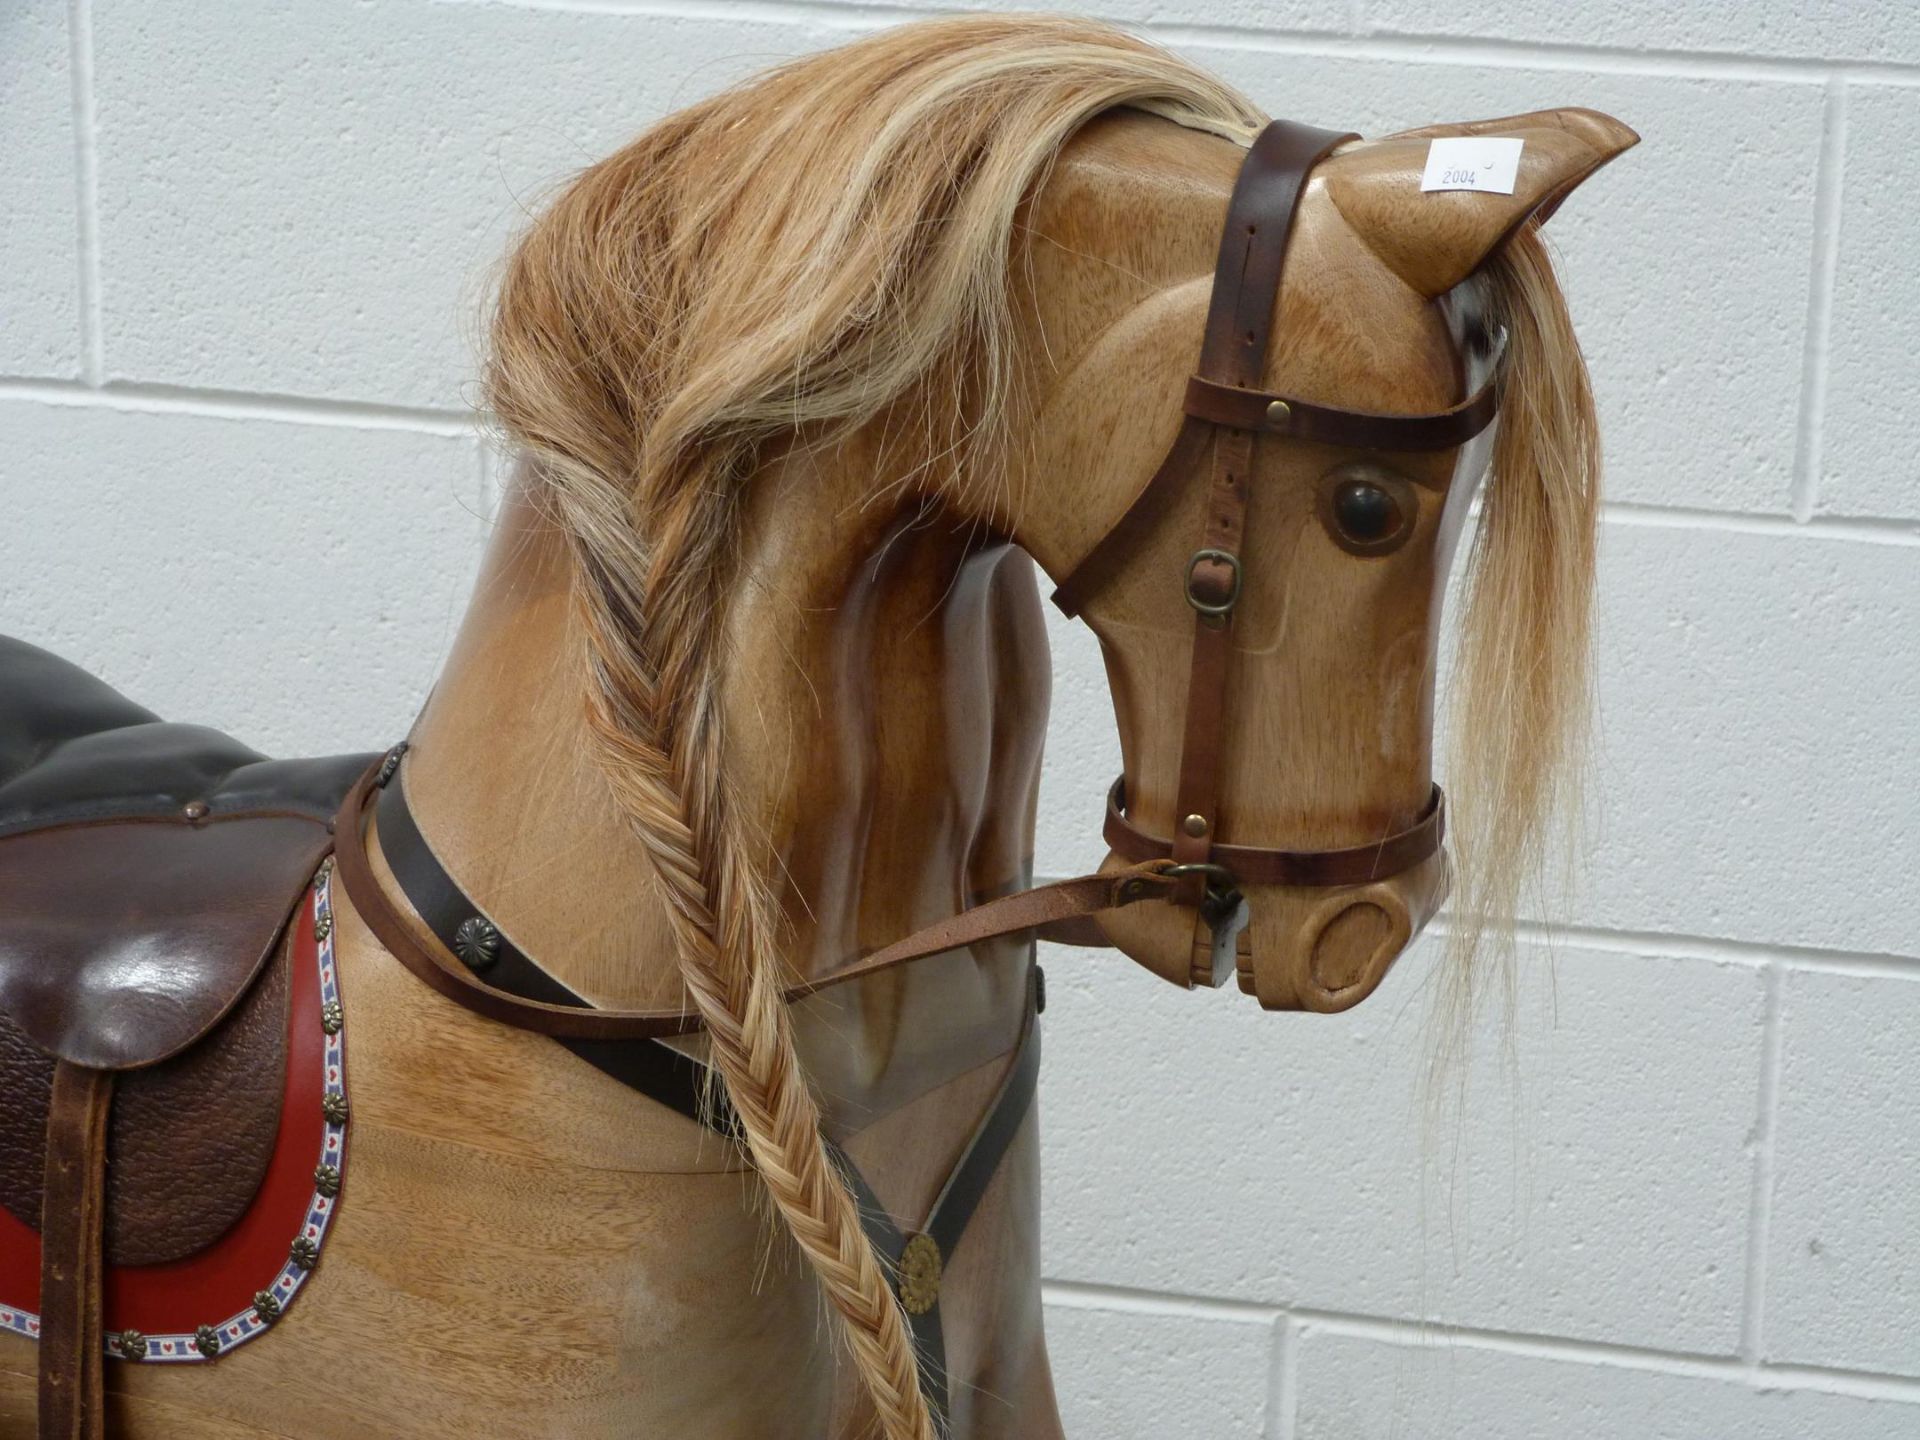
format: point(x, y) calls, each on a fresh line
point(628, 1045)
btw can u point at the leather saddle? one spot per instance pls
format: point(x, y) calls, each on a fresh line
point(147, 874)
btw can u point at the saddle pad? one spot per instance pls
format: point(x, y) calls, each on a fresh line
point(200, 1306)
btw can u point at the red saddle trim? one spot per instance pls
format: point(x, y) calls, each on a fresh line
point(218, 1286)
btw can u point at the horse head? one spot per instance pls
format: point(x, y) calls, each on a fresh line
point(1318, 732)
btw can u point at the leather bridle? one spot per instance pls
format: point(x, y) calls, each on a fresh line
point(1226, 414)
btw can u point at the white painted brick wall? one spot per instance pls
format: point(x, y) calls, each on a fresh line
point(241, 253)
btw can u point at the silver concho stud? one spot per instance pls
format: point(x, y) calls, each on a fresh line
point(266, 1305)
point(132, 1345)
point(206, 1340)
point(333, 1106)
point(477, 942)
point(323, 925)
point(332, 1017)
point(323, 874)
point(326, 1179)
point(306, 1253)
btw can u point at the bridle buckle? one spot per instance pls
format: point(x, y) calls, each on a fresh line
point(1213, 608)
point(1224, 909)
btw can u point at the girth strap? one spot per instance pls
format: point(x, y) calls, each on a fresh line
point(72, 1275)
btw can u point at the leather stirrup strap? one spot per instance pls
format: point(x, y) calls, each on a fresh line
point(72, 1274)
point(445, 908)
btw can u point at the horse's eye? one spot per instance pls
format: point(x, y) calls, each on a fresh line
point(1366, 510)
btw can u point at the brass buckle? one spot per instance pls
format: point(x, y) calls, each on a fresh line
point(1226, 558)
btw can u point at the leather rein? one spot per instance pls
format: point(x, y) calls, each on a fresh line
point(1226, 415)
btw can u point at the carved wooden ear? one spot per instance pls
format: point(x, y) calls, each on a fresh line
point(1435, 239)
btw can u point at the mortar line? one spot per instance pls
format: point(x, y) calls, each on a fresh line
point(190, 399)
point(1866, 530)
point(149, 399)
point(1365, 44)
point(1127, 1300)
point(86, 184)
point(1828, 192)
point(1283, 1382)
point(1087, 1295)
point(1760, 1209)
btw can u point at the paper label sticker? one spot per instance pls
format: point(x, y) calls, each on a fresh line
point(1473, 162)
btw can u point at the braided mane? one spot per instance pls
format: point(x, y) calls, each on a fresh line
point(801, 253)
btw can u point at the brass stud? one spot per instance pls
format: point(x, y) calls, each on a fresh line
point(332, 1017)
point(323, 925)
point(194, 810)
point(920, 1275)
point(1195, 825)
point(266, 1305)
point(1278, 414)
point(306, 1253)
point(323, 874)
point(333, 1106)
point(206, 1340)
point(132, 1345)
point(326, 1179)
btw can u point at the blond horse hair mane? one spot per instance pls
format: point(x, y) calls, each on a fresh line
point(1519, 698)
point(798, 257)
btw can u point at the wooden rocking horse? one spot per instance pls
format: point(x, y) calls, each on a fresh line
point(713, 845)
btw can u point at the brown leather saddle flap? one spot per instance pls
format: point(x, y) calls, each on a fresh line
point(147, 872)
point(152, 947)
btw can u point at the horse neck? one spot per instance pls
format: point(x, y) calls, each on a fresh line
point(883, 691)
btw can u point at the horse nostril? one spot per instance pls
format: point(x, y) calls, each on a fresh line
point(1344, 950)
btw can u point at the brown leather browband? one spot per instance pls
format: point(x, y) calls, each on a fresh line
point(1266, 413)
